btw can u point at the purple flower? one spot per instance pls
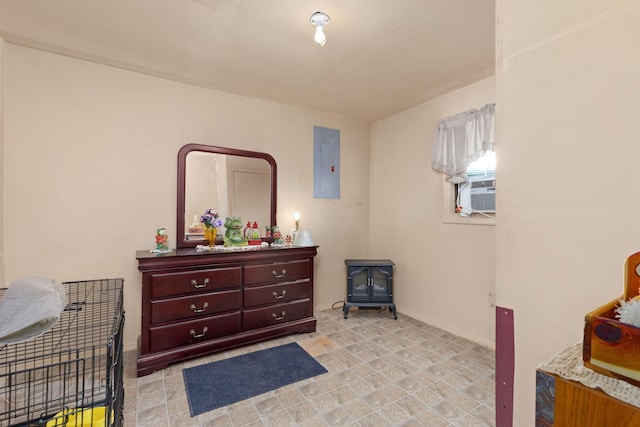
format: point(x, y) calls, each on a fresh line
point(210, 218)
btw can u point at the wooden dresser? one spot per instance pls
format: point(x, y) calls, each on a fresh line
point(195, 303)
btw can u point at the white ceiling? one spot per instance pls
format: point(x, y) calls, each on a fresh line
point(381, 56)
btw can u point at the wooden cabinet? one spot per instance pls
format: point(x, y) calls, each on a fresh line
point(369, 284)
point(198, 303)
point(564, 403)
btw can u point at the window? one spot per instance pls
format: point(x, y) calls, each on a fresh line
point(484, 166)
point(464, 152)
point(477, 196)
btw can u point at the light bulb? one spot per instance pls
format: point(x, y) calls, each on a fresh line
point(319, 20)
point(296, 218)
point(319, 37)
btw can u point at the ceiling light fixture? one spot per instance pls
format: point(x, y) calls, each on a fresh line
point(319, 20)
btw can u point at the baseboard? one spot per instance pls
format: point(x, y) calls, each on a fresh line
point(448, 328)
point(419, 317)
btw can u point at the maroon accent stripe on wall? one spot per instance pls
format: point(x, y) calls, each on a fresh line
point(505, 365)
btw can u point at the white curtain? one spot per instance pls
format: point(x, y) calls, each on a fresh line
point(461, 139)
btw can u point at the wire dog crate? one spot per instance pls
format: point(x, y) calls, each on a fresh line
point(72, 375)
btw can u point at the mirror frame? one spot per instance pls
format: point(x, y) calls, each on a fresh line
point(181, 242)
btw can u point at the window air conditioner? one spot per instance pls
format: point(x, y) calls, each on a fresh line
point(483, 195)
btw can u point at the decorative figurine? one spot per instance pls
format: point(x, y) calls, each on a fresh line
point(247, 231)
point(233, 235)
point(277, 236)
point(162, 240)
point(255, 235)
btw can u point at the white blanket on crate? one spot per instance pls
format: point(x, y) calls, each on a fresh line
point(29, 308)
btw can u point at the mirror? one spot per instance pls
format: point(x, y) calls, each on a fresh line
point(234, 182)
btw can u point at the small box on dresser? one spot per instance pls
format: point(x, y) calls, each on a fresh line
point(611, 347)
point(195, 303)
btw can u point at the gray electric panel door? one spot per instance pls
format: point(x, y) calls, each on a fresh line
point(326, 163)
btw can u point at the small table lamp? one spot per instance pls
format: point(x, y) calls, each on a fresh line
point(301, 237)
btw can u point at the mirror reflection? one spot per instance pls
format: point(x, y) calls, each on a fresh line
point(233, 185)
point(233, 182)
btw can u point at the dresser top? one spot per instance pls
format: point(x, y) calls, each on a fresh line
point(193, 252)
point(186, 257)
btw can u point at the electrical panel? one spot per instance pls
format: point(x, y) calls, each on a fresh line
point(326, 163)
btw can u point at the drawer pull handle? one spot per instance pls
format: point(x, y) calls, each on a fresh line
point(276, 296)
point(195, 283)
point(193, 333)
point(193, 308)
point(276, 317)
point(279, 276)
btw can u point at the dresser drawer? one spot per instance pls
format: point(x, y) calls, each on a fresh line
point(276, 314)
point(199, 305)
point(193, 331)
point(185, 282)
point(277, 272)
point(271, 294)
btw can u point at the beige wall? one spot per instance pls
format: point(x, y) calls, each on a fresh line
point(90, 170)
point(567, 96)
point(444, 272)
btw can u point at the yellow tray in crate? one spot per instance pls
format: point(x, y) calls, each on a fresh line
point(92, 417)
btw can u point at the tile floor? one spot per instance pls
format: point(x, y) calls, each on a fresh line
point(381, 372)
